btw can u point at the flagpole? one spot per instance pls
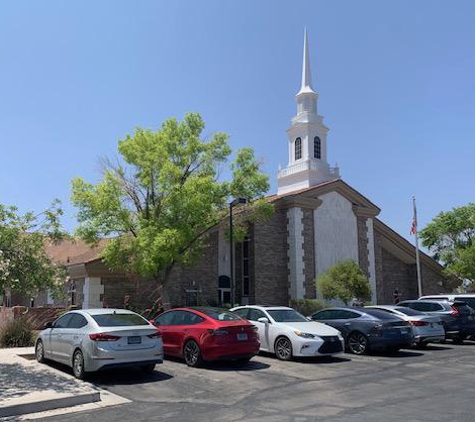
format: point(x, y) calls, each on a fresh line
point(418, 262)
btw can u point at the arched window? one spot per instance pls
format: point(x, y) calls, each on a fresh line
point(298, 149)
point(317, 147)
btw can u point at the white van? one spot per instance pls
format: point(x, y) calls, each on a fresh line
point(468, 298)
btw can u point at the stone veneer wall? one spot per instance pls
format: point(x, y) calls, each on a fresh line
point(363, 245)
point(378, 257)
point(204, 274)
point(396, 274)
point(432, 282)
point(309, 254)
point(270, 266)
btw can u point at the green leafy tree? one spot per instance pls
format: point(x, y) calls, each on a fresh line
point(25, 266)
point(160, 200)
point(450, 237)
point(344, 281)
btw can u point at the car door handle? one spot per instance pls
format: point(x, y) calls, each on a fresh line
point(347, 324)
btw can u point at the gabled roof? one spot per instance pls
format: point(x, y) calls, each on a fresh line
point(337, 185)
point(402, 248)
point(72, 252)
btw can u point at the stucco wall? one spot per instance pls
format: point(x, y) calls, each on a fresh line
point(336, 231)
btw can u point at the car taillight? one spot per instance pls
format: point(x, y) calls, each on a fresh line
point(218, 332)
point(419, 323)
point(103, 337)
point(455, 311)
point(157, 334)
point(254, 328)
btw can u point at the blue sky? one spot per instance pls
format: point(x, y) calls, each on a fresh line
point(395, 81)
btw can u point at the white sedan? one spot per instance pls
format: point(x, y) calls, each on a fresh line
point(93, 339)
point(287, 333)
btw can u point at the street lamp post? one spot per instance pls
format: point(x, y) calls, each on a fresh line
point(232, 204)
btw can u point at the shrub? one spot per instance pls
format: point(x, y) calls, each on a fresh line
point(17, 333)
point(344, 281)
point(308, 306)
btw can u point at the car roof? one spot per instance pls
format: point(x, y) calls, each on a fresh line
point(103, 311)
point(265, 307)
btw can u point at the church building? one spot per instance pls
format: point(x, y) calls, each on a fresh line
point(319, 220)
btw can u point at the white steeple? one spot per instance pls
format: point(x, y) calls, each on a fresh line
point(308, 164)
point(306, 74)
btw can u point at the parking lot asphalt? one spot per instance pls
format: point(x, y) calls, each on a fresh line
point(435, 384)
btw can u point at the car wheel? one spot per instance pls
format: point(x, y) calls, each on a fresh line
point(40, 351)
point(78, 365)
point(357, 343)
point(192, 354)
point(283, 348)
point(148, 368)
point(422, 344)
point(458, 339)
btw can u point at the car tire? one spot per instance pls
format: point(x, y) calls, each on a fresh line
point(148, 368)
point(192, 354)
point(357, 343)
point(458, 339)
point(422, 344)
point(78, 365)
point(283, 348)
point(40, 351)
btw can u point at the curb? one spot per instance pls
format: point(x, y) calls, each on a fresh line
point(44, 405)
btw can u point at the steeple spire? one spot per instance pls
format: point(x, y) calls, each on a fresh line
point(308, 165)
point(306, 74)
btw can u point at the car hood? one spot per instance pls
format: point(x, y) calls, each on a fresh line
point(313, 327)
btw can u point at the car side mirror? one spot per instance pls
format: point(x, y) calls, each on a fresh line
point(264, 320)
point(153, 322)
point(48, 325)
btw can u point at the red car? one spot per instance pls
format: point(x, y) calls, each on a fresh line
point(206, 334)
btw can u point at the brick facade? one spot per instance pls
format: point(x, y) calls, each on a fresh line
point(363, 245)
point(270, 265)
point(309, 253)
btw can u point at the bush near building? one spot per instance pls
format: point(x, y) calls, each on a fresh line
point(17, 333)
point(308, 306)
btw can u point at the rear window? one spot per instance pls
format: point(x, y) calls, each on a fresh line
point(409, 311)
point(119, 320)
point(379, 314)
point(220, 314)
point(470, 301)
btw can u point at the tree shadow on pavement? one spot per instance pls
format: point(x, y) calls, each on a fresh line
point(17, 381)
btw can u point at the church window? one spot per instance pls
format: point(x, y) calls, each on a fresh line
point(298, 149)
point(317, 147)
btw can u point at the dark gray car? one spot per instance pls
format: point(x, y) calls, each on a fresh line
point(457, 317)
point(367, 329)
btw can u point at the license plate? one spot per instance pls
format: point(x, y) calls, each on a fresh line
point(242, 336)
point(134, 340)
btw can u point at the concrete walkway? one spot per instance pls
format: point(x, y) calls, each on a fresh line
point(28, 387)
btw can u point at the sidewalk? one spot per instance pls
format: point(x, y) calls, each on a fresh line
point(27, 387)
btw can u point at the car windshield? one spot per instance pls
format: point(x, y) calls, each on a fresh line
point(286, 315)
point(219, 314)
point(409, 311)
point(119, 320)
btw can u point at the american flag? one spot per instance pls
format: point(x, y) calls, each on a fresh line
point(413, 226)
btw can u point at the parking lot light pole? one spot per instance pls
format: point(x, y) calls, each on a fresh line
point(232, 204)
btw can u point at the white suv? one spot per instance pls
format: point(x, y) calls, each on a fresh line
point(468, 298)
point(287, 333)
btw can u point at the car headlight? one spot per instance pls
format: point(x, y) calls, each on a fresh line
point(304, 335)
